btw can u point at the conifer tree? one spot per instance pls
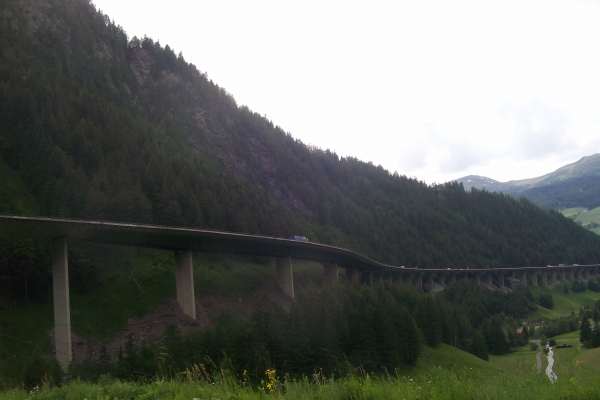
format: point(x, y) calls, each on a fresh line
point(585, 331)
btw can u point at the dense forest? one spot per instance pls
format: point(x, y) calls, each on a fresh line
point(99, 126)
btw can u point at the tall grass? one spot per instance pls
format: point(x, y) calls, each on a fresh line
point(438, 383)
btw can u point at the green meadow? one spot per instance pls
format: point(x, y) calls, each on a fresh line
point(564, 303)
point(579, 214)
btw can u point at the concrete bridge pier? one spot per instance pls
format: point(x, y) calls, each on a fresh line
point(440, 280)
point(429, 282)
point(378, 277)
point(331, 272)
point(452, 278)
point(368, 278)
point(571, 275)
point(579, 275)
point(524, 278)
point(62, 308)
point(488, 278)
point(563, 275)
point(534, 279)
point(418, 282)
point(500, 280)
point(513, 275)
point(285, 278)
point(544, 278)
point(586, 274)
point(184, 282)
point(553, 277)
point(389, 278)
point(406, 280)
point(351, 276)
point(477, 279)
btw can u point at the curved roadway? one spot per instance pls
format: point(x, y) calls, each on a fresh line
point(181, 239)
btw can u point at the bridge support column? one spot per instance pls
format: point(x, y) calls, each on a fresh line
point(501, 280)
point(351, 276)
point(488, 278)
point(418, 283)
point(452, 278)
point(534, 280)
point(406, 279)
point(331, 272)
point(429, 281)
point(544, 278)
point(477, 279)
point(579, 275)
point(285, 278)
point(368, 278)
point(563, 275)
point(184, 282)
point(378, 277)
point(62, 308)
point(571, 275)
point(440, 280)
point(524, 278)
point(586, 274)
point(553, 279)
point(389, 278)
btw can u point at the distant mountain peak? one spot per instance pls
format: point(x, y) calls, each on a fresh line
point(479, 182)
point(585, 166)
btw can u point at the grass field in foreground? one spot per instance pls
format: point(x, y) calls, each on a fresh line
point(449, 380)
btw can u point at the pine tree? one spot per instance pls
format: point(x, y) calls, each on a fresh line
point(478, 347)
point(585, 331)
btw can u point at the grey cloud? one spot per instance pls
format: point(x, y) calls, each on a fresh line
point(451, 154)
point(539, 130)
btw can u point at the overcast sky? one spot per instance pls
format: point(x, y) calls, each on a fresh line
point(430, 89)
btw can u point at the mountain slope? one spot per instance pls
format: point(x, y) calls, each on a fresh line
point(574, 185)
point(100, 126)
point(588, 166)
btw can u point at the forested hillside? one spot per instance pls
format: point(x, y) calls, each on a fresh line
point(97, 125)
point(577, 192)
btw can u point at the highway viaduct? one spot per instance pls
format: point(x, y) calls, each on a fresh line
point(184, 241)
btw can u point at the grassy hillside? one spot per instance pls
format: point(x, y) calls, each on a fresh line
point(589, 219)
point(564, 303)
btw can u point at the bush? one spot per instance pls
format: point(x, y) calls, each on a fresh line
point(42, 372)
point(533, 345)
point(546, 301)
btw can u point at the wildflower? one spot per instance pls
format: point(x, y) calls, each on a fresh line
point(271, 379)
